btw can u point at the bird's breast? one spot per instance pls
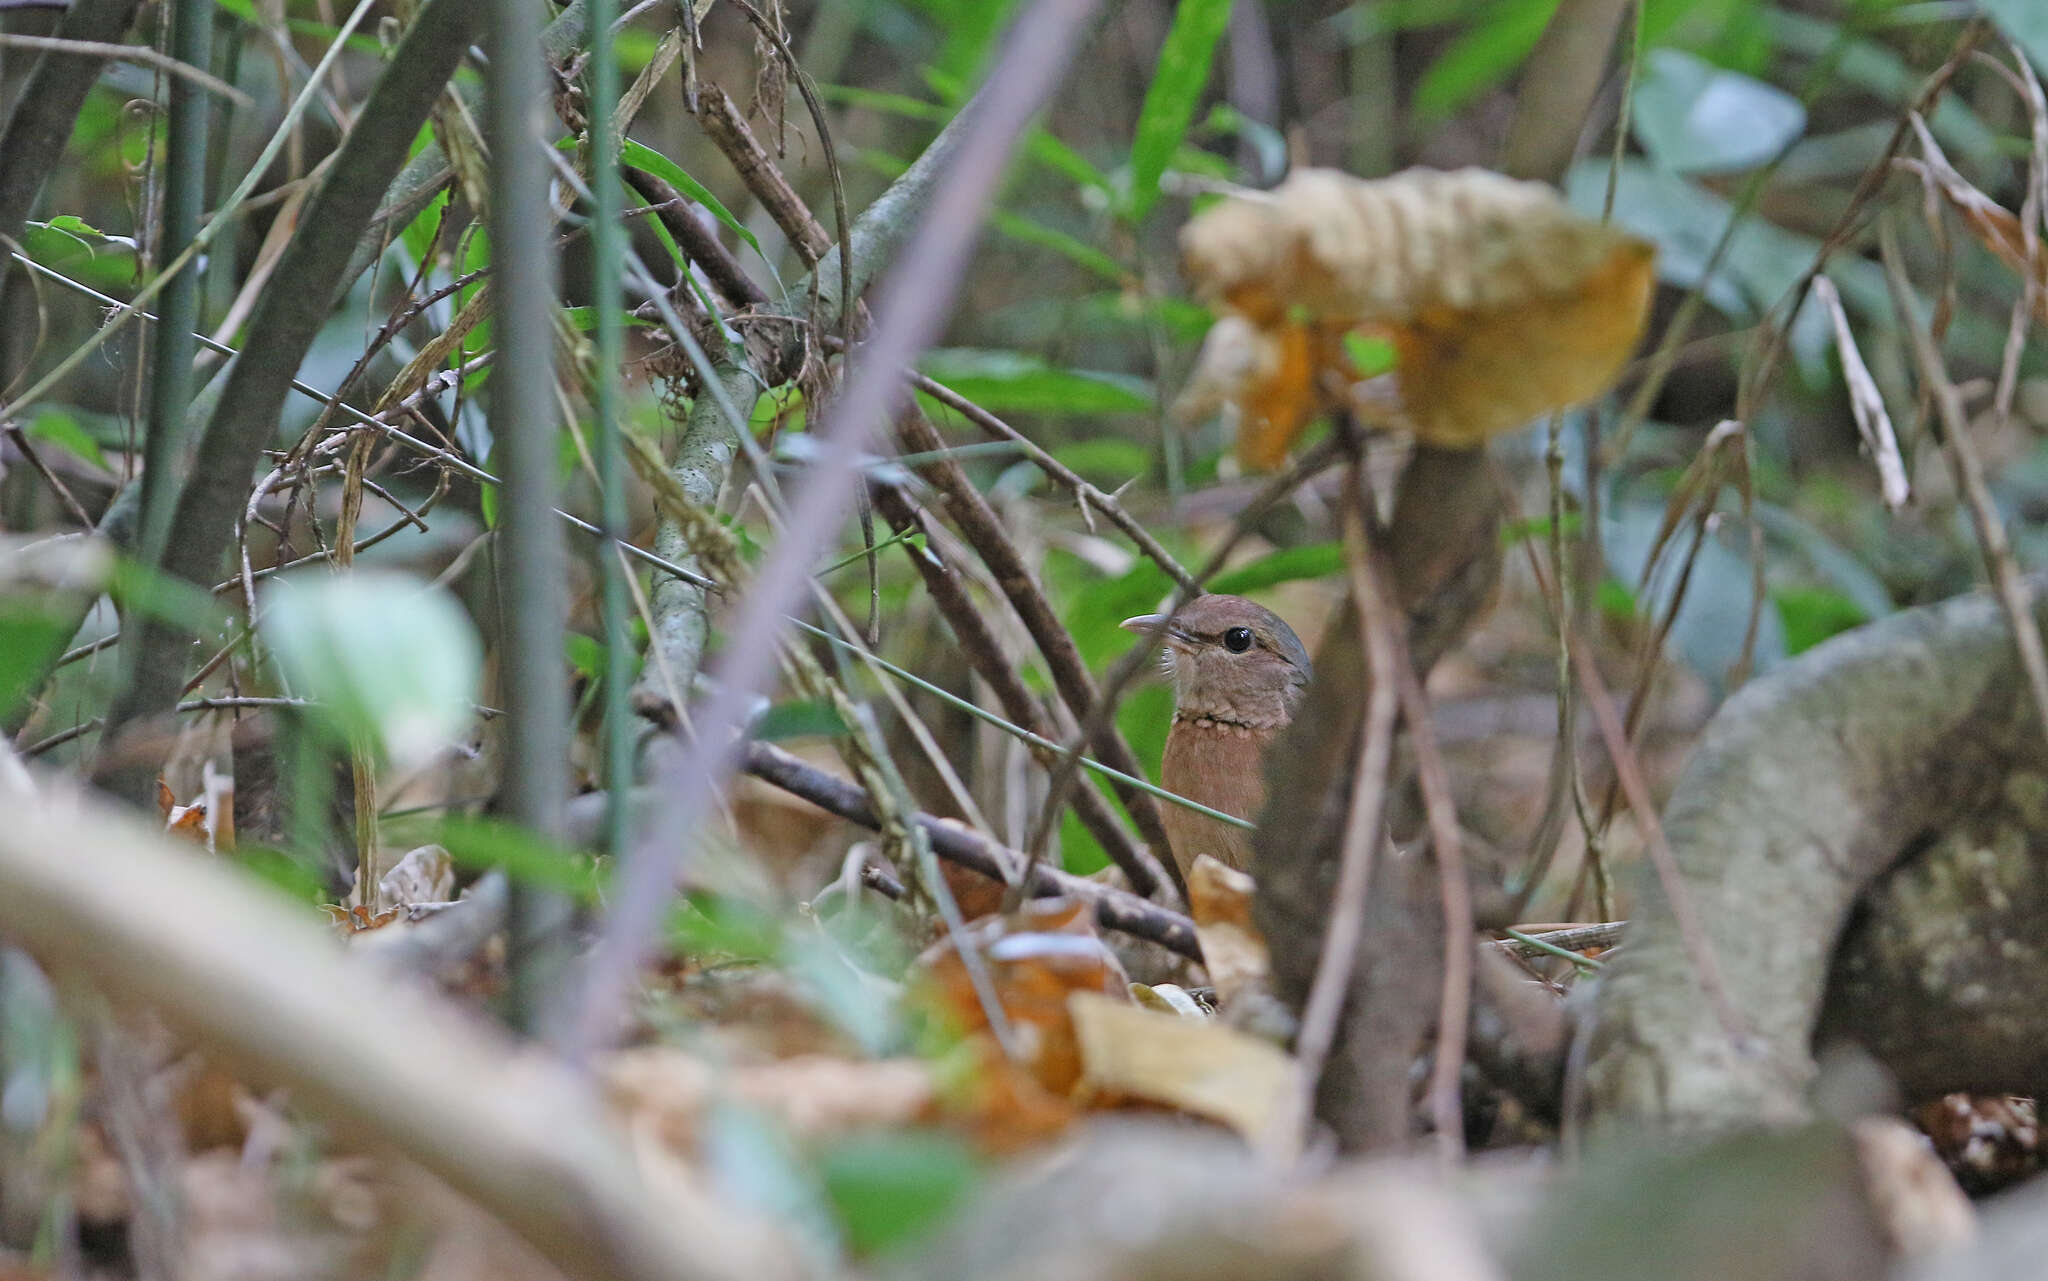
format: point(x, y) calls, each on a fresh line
point(1221, 765)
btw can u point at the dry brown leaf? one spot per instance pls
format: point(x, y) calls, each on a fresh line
point(356, 920)
point(1500, 303)
point(209, 820)
point(1997, 228)
point(1199, 1066)
point(211, 1107)
point(1989, 1141)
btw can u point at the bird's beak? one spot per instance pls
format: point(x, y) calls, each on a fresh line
point(1144, 623)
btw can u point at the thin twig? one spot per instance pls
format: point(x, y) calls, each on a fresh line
point(2014, 593)
point(50, 478)
point(1567, 942)
point(1115, 909)
point(136, 53)
point(1087, 495)
point(727, 128)
point(1363, 829)
point(977, 640)
point(83, 728)
point(1706, 967)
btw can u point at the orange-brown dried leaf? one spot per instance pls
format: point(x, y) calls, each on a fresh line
point(357, 920)
point(1035, 958)
point(1467, 376)
point(1501, 303)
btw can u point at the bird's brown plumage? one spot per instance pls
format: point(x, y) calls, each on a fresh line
point(1238, 673)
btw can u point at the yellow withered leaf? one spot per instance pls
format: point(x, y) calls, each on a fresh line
point(1500, 303)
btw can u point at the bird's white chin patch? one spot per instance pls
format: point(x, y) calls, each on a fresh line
point(1166, 661)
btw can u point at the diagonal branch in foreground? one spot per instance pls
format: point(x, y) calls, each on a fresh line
point(238, 969)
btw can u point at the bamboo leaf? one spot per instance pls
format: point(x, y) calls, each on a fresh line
point(1177, 85)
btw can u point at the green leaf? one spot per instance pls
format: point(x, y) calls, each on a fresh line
point(890, 104)
point(487, 494)
point(890, 1188)
point(1072, 248)
point(419, 234)
point(585, 653)
point(53, 246)
point(584, 319)
point(1170, 100)
point(522, 856)
point(1515, 532)
point(648, 160)
point(72, 224)
point(1289, 564)
point(1009, 382)
point(138, 589)
point(713, 927)
point(387, 657)
point(1369, 353)
point(1694, 117)
point(57, 428)
point(808, 718)
point(1482, 57)
point(31, 638)
point(281, 872)
point(1112, 458)
point(1814, 614)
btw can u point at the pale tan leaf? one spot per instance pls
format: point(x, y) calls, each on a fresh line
point(424, 875)
point(1199, 1066)
point(1873, 423)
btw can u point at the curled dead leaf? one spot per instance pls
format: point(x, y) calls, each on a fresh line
point(1220, 900)
point(424, 875)
point(1035, 958)
point(1499, 303)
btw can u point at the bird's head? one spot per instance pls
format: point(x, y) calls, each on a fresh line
point(1232, 660)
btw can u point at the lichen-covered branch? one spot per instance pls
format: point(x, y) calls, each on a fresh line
point(682, 619)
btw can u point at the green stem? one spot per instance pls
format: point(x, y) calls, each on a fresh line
point(184, 203)
point(607, 254)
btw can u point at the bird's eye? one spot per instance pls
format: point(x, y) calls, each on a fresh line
point(1238, 639)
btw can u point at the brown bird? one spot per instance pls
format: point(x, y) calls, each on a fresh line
point(1238, 673)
